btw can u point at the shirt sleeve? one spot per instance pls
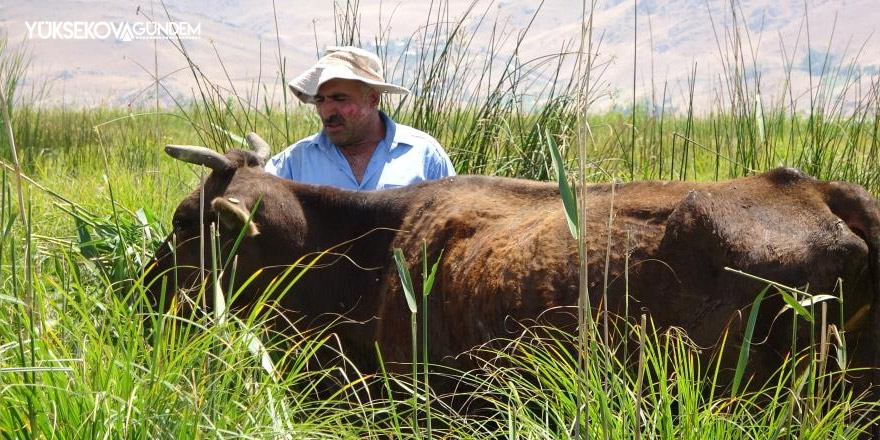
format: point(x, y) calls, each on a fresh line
point(275, 165)
point(437, 164)
point(284, 164)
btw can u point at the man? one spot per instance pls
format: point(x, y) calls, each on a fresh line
point(359, 148)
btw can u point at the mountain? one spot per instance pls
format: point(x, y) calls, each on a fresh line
point(667, 40)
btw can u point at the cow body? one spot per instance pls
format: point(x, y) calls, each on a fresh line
point(509, 259)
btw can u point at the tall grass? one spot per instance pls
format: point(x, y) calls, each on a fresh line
point(530, 384)
point(78, 360)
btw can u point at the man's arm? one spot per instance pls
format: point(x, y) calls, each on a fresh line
point(288, 163)
point(438, 165)
point(277, 165)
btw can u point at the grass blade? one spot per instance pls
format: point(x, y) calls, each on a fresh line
point(405, 279)
point(569, 200)
point(747, 343)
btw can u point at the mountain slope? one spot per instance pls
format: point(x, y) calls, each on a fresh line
point(239, 39)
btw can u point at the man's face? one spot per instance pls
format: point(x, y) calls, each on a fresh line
point(345, 107)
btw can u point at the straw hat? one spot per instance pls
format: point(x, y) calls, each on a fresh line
point(345, 62)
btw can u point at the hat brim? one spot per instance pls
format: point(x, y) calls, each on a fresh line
point(306, 85)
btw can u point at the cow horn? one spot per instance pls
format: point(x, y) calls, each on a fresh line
point(259, 146)
point(199, 156)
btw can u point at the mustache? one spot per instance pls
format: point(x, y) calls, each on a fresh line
point(335, 119)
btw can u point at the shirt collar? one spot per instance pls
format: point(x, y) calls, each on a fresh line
point(390, 131)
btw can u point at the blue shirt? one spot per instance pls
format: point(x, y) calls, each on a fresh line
point(404, 156)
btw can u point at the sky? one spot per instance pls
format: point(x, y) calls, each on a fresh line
point(242, 47)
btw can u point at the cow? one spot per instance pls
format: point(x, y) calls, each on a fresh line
point(507, 256)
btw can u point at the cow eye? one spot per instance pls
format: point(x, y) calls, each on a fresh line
point(179, 224)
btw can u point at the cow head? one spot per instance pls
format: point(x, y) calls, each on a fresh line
point(241, 206)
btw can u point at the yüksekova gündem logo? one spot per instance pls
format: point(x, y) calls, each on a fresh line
point(105, 30)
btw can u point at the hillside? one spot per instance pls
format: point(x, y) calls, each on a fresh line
point(674, 38)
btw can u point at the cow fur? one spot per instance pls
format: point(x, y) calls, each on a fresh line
point(508, 257)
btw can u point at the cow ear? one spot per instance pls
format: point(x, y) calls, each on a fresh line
point(234, 216)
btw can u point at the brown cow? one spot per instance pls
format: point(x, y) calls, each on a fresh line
point(509, 257)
